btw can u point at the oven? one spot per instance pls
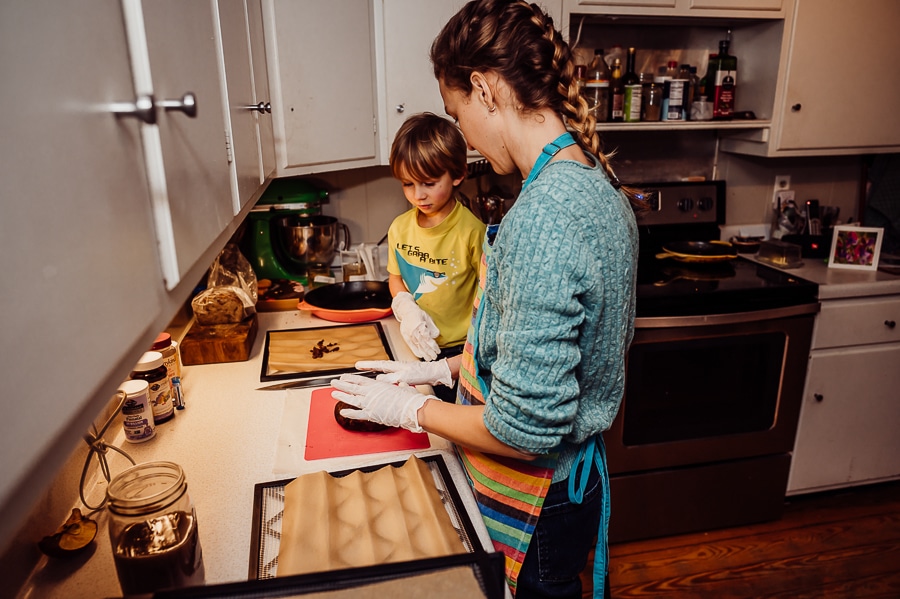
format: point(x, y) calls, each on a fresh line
point(714, 379)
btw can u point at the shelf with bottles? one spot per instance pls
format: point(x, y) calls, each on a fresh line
point(690, 41)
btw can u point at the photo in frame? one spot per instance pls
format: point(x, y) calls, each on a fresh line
point(855, 247)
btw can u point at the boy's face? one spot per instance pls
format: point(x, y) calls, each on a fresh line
point(430, 197)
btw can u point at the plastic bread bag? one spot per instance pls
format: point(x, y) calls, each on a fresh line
point(231, 290)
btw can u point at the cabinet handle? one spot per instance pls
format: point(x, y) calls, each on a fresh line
point(260, 108)
point(890, 324)
point(400, 107)
point(818, 397)
point(186, 104)
point(796, 108)
point(143, 108)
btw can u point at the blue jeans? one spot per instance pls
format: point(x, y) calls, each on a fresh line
point(563, 538)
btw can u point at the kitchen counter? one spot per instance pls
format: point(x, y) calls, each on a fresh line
point(227, 440)
point(838, 283)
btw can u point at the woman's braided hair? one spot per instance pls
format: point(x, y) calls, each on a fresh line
point(518, 41)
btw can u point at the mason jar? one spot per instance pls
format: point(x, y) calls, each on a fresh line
point(153, 529)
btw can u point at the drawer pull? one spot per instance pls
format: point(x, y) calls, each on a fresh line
point(818, 397)
point(890, 324)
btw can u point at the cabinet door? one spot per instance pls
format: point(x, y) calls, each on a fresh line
point(248, 168)
point(410, 27)
point(842, 76)
point(191, 172)
point(81, 278)
point(322, 78)
point(849, 419)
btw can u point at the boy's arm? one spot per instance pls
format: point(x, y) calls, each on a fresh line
point(396, 284)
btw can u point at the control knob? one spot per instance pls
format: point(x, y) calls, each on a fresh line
point(685, 204)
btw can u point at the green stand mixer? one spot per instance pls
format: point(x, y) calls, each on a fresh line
point(287, 233)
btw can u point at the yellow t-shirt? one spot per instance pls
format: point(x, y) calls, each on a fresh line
point(439, 266)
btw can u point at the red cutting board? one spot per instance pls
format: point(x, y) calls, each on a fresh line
point(325, 438)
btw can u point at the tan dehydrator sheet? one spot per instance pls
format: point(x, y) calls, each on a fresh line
point(364, 519)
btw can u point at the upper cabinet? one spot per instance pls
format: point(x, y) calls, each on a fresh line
point(251, 151)
point(836, 76)
point(670, 8)
point(322, 65)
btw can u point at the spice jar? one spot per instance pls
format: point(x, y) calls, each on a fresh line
point(652, 102)
point(153, 529)
point(150, 368)
point(171, 356)
point(137, 415)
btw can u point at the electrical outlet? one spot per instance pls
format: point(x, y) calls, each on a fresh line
point(782, 183)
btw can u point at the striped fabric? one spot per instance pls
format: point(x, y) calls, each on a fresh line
point(509, 492)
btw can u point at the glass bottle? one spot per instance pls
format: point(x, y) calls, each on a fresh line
point(633, 90)
point(617, 93)
point(596, 87)
point(726, 81)
point(153, 529)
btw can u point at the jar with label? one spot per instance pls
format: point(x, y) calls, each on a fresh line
point(137, 416)
point(150, 368)
point(153, 529)
point(171, 356)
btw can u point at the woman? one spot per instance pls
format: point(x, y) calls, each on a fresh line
point(542, 372)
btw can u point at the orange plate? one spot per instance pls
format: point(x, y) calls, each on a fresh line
point(325, 438)
point(366, 315)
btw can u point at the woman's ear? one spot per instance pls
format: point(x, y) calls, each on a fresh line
point(482, 90)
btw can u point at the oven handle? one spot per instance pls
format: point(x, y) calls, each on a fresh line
point(666, 322)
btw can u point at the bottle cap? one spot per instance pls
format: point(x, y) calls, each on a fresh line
point(151, 360)
point(134, 387)
point(163, 341)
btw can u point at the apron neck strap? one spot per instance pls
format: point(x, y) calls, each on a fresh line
point(550, 150)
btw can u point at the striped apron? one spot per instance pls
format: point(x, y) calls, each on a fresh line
point(510, 493)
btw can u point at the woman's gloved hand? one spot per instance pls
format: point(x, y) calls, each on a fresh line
point(384, 403)
point(416, 326)
point(411, 373)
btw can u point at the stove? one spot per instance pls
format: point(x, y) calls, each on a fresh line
point(666, 287)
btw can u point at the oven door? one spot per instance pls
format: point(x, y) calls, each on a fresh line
point(707, 389)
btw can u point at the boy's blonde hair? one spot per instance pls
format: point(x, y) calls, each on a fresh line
point(427, 146)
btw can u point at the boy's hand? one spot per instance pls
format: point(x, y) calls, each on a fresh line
point(416, 326)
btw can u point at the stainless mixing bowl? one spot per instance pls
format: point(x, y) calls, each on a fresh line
point(312, 239)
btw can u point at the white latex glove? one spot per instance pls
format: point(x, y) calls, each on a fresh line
point(411, 373)
point(416, 326)
point(384, 403)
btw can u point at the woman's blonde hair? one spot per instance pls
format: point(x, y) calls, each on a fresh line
point(427, 146)
point(518, 41)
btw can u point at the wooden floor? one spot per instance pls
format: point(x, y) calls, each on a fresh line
point(839, 544)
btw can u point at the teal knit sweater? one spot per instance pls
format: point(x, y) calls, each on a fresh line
point(558, 313)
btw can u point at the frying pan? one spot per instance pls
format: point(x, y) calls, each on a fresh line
point(698, 251)
point(356, 301)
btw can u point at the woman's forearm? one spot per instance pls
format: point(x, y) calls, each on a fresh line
point(464, 425)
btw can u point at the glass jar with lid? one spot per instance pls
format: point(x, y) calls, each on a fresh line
point(153, 529)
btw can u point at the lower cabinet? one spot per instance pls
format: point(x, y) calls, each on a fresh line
point(850, 416)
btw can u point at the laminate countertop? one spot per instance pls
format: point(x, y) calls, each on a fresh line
point(229, 438)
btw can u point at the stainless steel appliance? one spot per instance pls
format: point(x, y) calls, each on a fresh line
point(714, 378)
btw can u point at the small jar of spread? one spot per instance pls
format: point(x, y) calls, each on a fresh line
point(153, 529)
point(137, 415)
point(169, 350)
point(151, 368)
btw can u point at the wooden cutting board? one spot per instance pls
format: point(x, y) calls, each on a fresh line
point(216, 343)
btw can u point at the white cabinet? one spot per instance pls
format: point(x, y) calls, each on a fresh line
point(847, 434)
point(677, 8)
point(247, 93)
point(836, 79)
point(187, 159)
point(96, 210)
point(321, 62)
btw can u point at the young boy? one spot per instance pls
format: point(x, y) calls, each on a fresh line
point(434, 248)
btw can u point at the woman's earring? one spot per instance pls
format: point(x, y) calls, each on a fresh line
point(492, 109)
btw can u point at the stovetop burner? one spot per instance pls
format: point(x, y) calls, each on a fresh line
point(667, 287)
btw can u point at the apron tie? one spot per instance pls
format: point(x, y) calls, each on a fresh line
point(593, 451)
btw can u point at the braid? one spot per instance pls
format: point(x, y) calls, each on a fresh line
point(519, 42)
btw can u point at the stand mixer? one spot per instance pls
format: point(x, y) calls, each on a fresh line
point(287, 232)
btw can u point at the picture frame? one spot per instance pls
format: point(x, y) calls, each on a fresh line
point(856, 248)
